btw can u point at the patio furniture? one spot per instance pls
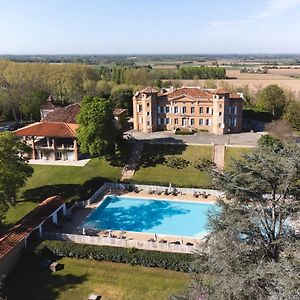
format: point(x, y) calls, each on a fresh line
point(175, 192)
point(189, 244)
point(151, 240)
point(167, 192)
point(196, 194)
point(136, 190)
point(162, 241)
point(175, 243)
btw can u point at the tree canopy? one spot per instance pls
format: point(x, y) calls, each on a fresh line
point(273, 100)
point(96, 132)
point(292, 114)
point(14, 168)
point(252, 243)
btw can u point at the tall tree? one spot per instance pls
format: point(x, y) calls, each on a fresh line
point(96, 132)
point(121, 97)
point(273, 100)
point(251, 246)
point(14, 168)
point(292, 114)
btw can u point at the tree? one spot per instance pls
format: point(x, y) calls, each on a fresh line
point(280, 129)
point(251, 246)
point(270, 142)
point(273, 100)
point(121, 97)
point(14, 168)
point(292, 114)
point(96, 132)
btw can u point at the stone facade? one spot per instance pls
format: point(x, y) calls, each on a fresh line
point(217, 111)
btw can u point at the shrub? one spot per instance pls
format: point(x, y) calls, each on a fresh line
point(166, 260)
point(203, 164)
point(176, 162)
point(183, 132)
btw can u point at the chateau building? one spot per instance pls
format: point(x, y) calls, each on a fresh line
point(218, 111)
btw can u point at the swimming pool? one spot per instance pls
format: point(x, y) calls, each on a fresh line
point(165, 217)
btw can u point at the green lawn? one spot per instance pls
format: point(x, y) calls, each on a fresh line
point(234, 153)
point(154, 171)
point(70, 182)
point(79, 278)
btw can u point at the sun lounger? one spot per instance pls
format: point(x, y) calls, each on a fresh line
point(189, 244)
point(175, 243)
point(163, 241)
point(136, 190)
point(167, 192)
point(175, 192)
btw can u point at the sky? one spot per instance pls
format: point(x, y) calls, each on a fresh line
point(149, 26)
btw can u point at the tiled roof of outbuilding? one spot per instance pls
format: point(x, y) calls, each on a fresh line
point(27, 224)
point(64, 114)
point(49, 129)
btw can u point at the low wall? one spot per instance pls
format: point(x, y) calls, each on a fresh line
point(108, 241)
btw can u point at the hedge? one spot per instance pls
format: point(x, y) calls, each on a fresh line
point(166, 260)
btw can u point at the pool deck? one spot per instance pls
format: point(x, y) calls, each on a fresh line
point(80, 214)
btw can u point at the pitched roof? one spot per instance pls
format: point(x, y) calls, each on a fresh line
point(222, 90)
point(64, 114)
point(235, 96)
point(49, 129)
point(27, 224)
point(119, 111)
point(189, 91)
point(49, 105)
point(149, 90)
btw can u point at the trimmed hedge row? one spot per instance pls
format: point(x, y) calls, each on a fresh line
point(166, 260)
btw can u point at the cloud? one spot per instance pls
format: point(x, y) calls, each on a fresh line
point(277, 7)
point(273, 9)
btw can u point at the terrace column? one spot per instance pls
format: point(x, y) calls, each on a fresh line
point(33, 147)
point(40, 231)
point(54, 218)
point(75, 150)
point(65, 210)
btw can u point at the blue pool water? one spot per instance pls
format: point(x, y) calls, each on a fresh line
point(164, 217)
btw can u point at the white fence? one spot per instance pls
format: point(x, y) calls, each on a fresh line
point(109, 241)
point(123, 186)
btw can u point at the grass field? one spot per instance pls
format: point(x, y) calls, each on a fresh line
point(79, 278)
point(234, 153)
point(70, 182)
point(154, 171)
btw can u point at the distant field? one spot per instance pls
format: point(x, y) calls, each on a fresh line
point(260, 82)
point(286, 78)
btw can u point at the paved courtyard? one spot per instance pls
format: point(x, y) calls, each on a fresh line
point(72, 163)
point(167, 137)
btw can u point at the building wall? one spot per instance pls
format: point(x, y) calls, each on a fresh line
point(9, 261)
point(219, 115)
